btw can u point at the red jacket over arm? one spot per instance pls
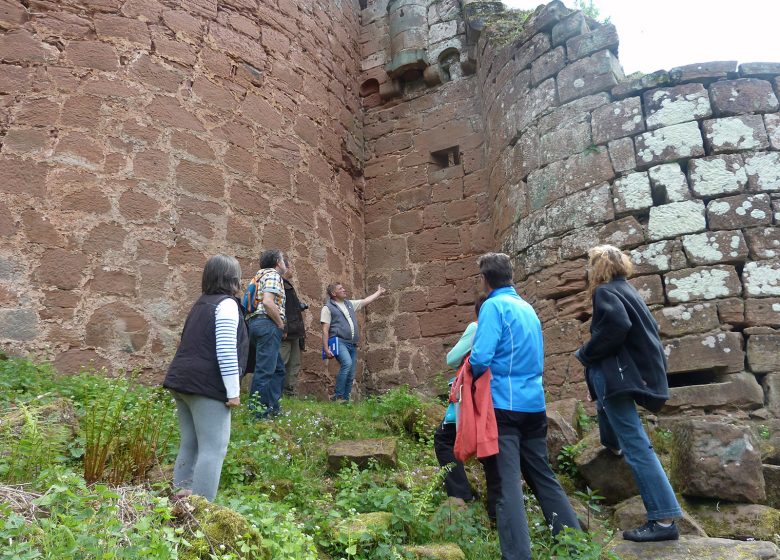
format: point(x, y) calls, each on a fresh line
point(477, 432)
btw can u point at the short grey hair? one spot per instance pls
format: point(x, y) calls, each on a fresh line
point(496, 268)
point(221, 275)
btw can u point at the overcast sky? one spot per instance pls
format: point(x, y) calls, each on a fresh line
point(662, 34)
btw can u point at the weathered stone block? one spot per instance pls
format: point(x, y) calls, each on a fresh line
point(625, 232)
point(764, 243)
point(703, 71)
point(763, 312)
point(361, 452)
point(695, 547)
point(560, 280)
point(632, 513)
point(565, 177)
point(621, 153)
point(570, 26)
point(670, 143)
point(562, 337)
point(763, 352)
point(717, 175)
point(740, 392)
point(18, 324)
point(686, 319)
point(594, 74)
point(747, 522)
point(746, 95)
point(573, 112)
point(564, 142)
point(605, 37)
point(638, 85)
point(735, 134)
point(715, 247)
point(650, 288)
point(763, 171)
point(676, 218)
point(731, 311)
point(719, 351)
point(728, 464)
point(616, 120)
point(668, 106)
point(771, 384)
point(734, 212)
point(772, 123)
point(655, 257)
point(759, 69)
point(702, 283)
point(631, 194)
point(603, 470)
point(547, 65)
point(762, 278)
point(669, 183)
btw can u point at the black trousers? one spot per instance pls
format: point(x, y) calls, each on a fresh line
point(456, 482)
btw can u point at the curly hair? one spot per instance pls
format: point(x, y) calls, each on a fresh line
point(606, 262)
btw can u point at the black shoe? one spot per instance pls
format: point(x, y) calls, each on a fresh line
point(652, 532)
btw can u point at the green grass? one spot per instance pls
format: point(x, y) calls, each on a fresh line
point(274, 475)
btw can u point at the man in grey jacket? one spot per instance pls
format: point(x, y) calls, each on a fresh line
point(339, 319)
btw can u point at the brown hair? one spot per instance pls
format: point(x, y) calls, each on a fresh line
point(606, 262)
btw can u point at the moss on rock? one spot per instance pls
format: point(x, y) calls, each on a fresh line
point(364, 526)
point(217, 529)
point(446, 551)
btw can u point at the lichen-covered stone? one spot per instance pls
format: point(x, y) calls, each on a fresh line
point(761, 278)
point(571, 113)
point(735, 134)
point(676, 218)
point(764, 243)
point(621, 152)
point(571, 26)
point(696, 548)
point(762, 312)
point(686, 319)
point(624, 233)
point(661, 256)
point(746, 95)
point(703, 71)
point(596, 73)
point(716, 350)
point(638, 85)
point(616, 120)
point(739, 211)
point(547, 65)
point(679, 141)
point(772, 123)
point(726, 458)
point(650, 288)
point(632, 193)
point(717, 175)
point(668, 106)
point(763, 171)
point(763, 352)
point(564, 142)
point(715, 247)
point(669, 182)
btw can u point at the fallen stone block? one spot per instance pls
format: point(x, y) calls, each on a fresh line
point(741, 392)
point(632, 513)
point(361, 452)
point(737, 521)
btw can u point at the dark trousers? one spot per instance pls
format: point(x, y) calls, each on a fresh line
point(268, 379)
point(522, 448)
point(456, 482)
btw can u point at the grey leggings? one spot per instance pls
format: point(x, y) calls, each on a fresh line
point(205, 432)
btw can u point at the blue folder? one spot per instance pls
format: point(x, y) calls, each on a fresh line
point(333, 346)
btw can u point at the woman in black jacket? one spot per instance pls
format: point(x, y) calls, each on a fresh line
point(625, 366)
point(204, 378)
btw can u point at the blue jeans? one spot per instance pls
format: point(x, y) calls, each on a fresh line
point(268, 378)
point(621, 428)
point(522, 449)
point(348, 359)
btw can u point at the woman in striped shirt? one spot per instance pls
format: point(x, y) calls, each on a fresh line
point(204, 378)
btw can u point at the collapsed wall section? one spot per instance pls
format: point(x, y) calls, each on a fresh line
point(680, 168)
point(141, 136)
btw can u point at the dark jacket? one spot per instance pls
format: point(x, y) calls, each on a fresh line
point(195, 368)
point(338, 323)
point(625, 344)
point(293, 313)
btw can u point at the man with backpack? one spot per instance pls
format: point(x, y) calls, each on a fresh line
point(264, 301)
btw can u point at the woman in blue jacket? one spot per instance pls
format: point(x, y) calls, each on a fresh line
point(625, 366)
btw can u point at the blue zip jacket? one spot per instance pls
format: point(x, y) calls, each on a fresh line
point(509, 342)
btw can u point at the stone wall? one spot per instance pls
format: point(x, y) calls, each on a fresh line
point(680, 168)
point(427, 213)
point(141, 136)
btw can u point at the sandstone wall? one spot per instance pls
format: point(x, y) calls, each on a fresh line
point(141, 136)
point(680, 168)
point(427, 214)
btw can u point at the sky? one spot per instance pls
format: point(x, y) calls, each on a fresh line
point(662, 34)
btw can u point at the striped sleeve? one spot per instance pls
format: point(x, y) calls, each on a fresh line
point(227, 345)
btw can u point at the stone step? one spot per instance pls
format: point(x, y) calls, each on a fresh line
point(695, 547)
